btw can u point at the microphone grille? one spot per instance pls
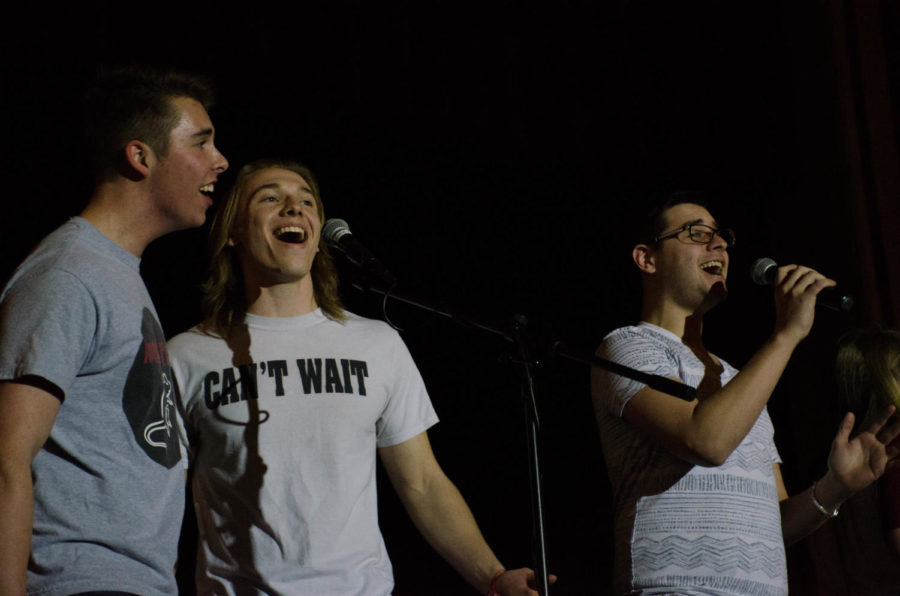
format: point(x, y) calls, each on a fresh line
point(333, 230)
point(759, 271)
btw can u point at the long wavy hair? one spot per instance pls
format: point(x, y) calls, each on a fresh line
point(867, 368)
point(224, 299)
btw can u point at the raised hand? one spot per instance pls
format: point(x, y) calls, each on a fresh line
point(858, 462)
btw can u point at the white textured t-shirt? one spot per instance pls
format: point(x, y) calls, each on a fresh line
point(681, 528)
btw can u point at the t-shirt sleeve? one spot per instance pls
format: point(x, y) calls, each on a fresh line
point(180, 416)
point(180, 349)
point(408, 410)
point(634, 350)
point(48, 324)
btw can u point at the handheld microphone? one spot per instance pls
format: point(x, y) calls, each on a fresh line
point(338, 235)
point(764, 271)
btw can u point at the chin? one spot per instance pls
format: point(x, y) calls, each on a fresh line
point(719, 291)
point(293, 275)
point(188, 220)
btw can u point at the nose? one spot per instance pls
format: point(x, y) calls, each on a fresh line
point(292, 206)
point(220, 164)
point(717, 242)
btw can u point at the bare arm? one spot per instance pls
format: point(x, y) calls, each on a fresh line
point(799, 515)
point(705, 431)
point(27, 413)
point(440, 513)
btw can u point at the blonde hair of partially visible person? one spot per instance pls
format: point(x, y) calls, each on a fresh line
point(868, 372)
point(224, 300)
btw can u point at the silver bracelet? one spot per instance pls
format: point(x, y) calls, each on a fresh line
point(819, 506)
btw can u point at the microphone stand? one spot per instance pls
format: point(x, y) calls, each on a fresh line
point(533, 426)
point(525, 362)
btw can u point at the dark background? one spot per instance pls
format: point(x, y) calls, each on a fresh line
point(494, 155)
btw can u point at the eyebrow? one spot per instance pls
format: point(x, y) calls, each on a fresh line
point(714, 223)
point(203, 133)
point(690, 223)
point(277, 186)
point(270, 185)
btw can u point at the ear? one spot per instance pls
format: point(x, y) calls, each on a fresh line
point(644, 258)
point(139, 157)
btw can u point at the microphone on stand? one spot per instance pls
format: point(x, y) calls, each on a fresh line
point(337, 234)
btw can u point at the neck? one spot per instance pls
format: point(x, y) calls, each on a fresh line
point(282, 299)
point(116, 209)
point(686, 324)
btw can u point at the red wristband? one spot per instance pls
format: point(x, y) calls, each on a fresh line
point(492, 590)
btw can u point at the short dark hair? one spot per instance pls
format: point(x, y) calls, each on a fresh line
point(654, 222)
point(129, 103)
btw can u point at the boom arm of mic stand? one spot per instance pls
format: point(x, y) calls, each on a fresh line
point(455, 317)
point(664, 384)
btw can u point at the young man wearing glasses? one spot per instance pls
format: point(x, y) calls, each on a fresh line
point(701, 507)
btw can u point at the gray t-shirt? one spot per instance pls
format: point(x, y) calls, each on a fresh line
point(680, 528)
point(109, 482)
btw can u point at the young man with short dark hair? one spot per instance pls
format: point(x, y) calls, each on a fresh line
point(700, 505)
point(91, 473)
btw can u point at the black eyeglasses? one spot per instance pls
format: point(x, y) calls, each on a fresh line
point(697, 234)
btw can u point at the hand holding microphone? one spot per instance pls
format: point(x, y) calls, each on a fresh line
point(798, 291)
point(765, 272)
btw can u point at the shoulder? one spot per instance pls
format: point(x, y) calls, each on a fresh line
point(44, 281)
point(624, 334)
point(372, 328)
point(195, 345)
point(355, 321)
point(646, 348)
point(192, 338)
point(377, 339)
point(70, 243)
point(642, 332)
point(74, 251)
point(46, 278)
point(636, 339)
